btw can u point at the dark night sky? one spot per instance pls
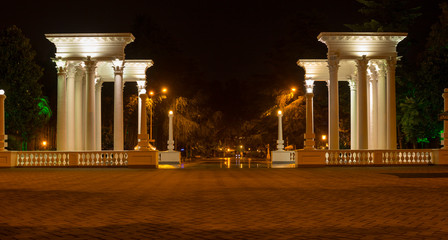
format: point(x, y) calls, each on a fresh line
point(229, 40)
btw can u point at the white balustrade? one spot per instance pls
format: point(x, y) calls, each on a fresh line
point(74, 159)
point(349, 157)
point(379, 157)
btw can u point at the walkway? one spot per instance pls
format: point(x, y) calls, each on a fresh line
point(214, 203)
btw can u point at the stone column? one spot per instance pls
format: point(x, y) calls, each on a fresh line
point(333, 103)
point(140, 86)
point(118, 104)
point(98, 86)
point(90, 104)
point(71, 108)
point(382, 112)
point(362, 103)
point(280, 132)
point(309, 135)
point(353, 115)
point(2, 120)
point(143, 144)
point(61, 132)
point(391, 104)
point(373, 122)
point(170, 132)
point(445, 122)
point(79, 90)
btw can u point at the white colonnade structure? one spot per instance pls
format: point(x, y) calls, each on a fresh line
point(367, 62)
point(84, 62)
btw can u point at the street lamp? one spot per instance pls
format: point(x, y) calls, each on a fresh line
point(151, 95)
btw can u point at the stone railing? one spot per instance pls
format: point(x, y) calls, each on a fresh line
point(379, 157)
point(72, 159)
point(349, 157)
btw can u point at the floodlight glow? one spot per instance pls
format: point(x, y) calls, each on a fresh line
point(164, 90)
point(170, 113)
point(279, 112)
point(151, 93)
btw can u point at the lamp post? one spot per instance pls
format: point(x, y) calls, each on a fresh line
point(151, 95)
point(2, 120)
point(309, 135)
point(280, 132)
point(170, 132)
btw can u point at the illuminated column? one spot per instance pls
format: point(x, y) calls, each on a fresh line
point(382, 108)
point(445, 122)
point(84, 111)
point(333, 103)
point(309, 135)
point(353, 115)
point(280, 132)
point(71, 108)
point(391, 105)
point(118, 104)
point(79, 131)
point(170, 132)
point(143, 144)
point(98, 86)
point(90, 104)
point(61, 132)
point(141, 85)
point(2, 120)
point(362, 103)
point(373, 123)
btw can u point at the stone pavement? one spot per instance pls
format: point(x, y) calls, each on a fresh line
point(306, 203)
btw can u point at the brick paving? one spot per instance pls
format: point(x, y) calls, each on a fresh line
point(210, 203)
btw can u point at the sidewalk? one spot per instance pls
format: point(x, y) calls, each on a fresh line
point(306, 203)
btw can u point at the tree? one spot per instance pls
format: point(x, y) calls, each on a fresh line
point(26, 109)
point(386, 15)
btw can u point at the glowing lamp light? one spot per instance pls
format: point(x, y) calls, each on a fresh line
point(309, 85)
point(293, 89)
point(2, 92)
point(324, 137)
point(279, 112)
point(164, 90)
point(170, 113)
point(151, 93)
point(44, 143)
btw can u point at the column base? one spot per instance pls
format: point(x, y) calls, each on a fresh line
point(307, 158)
point(143, 144)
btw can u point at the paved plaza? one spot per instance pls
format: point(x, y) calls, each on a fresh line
point(219, 203)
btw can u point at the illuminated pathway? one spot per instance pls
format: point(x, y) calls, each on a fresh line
point(345, 203)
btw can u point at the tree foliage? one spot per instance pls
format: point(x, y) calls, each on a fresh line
point(386, 15)
point(26, 109)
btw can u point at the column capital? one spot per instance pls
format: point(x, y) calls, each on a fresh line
point(391, 63)
point(361, 63)
point(117, 66)
point(98, 82)
point(89, 65)
point(61, 65)
point(352, 84)
point(333, 62)
point(71, 71)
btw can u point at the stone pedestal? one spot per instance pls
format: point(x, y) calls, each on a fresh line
point(281, 156)
point(143, 159)
point(169, 157)
point(8, 159)
point(310, 158)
